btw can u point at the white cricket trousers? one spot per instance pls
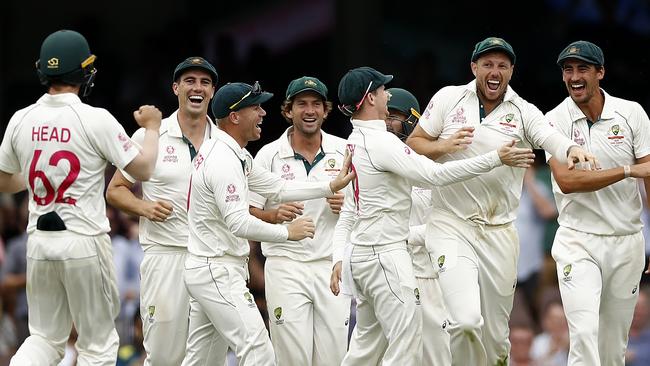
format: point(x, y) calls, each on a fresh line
point(223, 314)
point(435, 322)
point(308, 324)
point(478, 274)
point(599, 282)
point(388, 307)
point(164, 305)
point(70, 278)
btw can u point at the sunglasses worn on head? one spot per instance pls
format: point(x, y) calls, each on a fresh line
point(358, 105)
point(255, 91)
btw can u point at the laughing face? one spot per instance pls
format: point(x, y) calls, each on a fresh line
point(307, 113)
point(250, 119)
point(582, 79)
point(194, 89)
point(493, 71)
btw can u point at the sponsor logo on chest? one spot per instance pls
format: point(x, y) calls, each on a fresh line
point(170, 155)
point(577, 137)
point(287, 174)
point(459, 116)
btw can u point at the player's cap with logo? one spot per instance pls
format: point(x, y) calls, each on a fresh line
point(235, 96)
point(582, 50)
point(355, 86)
point(492, 44)
point(306, 83)
point(196, 62)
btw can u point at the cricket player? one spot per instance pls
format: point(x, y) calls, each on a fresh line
point(599, 248)
point(216, 270)
point(61, 146)
point(164, 301)
point(308, 325)
point(404, 112)
point(374, 221)
point(470, 235)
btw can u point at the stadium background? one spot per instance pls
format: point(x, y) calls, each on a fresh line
point(425, 44)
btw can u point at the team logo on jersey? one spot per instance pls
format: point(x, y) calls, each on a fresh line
point(331, 163)
point(416, 292)
point(407, 150)
point(249, 299)
point(634, 289)
point(151, 310)
point(567, 271)
point(232, 196)
point(615, 135)
point(277, 312)
point(441, 261)
point(53, 63)
point(507, 124)
point(459, 117)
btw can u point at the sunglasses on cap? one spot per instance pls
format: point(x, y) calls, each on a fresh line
point(255, 91)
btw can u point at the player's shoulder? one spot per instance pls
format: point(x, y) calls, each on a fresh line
point(624, 107)
point(269, 149)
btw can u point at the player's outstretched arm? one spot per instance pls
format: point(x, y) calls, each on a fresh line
point(345, 175)
point(142, 166)
point(11, 183)
point(120, 196)
point(434, 147)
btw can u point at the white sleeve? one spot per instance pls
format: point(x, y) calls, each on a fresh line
point(255, 199)
point(639, 119)
point(543, 135)
point(417, 235)
point(343, 225)
point(111, 140)
point(433, 118)
point(9, 162)
point(273, 187)
point(137, 138)
point(393, 155)
point(231, 197)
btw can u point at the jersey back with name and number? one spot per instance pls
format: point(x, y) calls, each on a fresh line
point(61, 146)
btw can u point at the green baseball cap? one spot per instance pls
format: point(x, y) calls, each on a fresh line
point(306, 83)
point(356, 83)
point(235, 96)
point(196, 62)
point(582, 50)
point(492, 44)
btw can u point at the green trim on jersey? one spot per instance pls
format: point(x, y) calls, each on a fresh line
point(308, 166)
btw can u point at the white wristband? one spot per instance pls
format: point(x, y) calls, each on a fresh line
point(626, 171)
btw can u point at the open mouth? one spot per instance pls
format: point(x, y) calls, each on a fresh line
point(195, 99)
point(493, 84)
point(577, 86)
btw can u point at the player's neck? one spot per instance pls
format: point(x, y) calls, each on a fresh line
point(305, 145)
point(193, 128)
point(62, 89)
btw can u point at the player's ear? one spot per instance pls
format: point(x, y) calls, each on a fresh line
point(175, 88)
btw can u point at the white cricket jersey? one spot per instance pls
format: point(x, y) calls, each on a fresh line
point(170, 182)
point(492, 198)
point(61, 146)
point(377, 205)
point(279, 158)
point(621, 136)
point(218, 215)
point(420, 210)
